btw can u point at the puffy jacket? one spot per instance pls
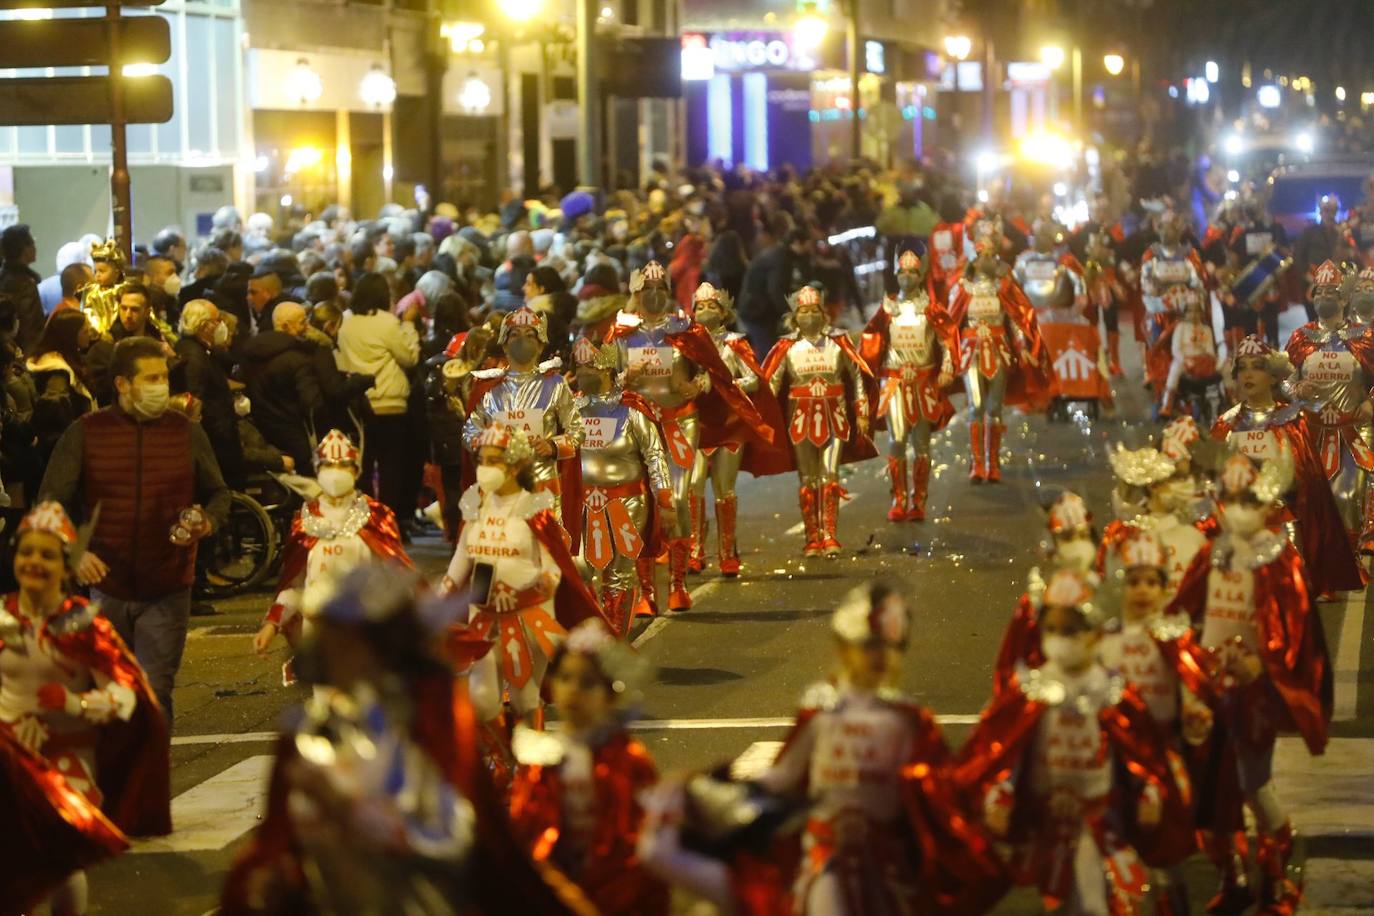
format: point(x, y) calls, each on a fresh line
point(284, 389)
point(384, 347)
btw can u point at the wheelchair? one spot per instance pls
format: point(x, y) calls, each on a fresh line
point(242, 554)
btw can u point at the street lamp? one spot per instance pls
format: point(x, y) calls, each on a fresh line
point(304, 83)
point(810, 27)
point(1113, 63)
point(958, 47)
point(521, 10)
point(377, 88)
point(1052, 56)
point(475, 96)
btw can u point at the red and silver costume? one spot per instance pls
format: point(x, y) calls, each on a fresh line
point(1260, 432)
point(720, 465)
point(950, 252)
point(330, 537)
point(379, 800)
point(1062, 759)
point(1248, 593)
point(623, 469)
point(1333, 364)
point(1072, 545)
point(535, 592)
point(1169, 495)
point(1002, 357)
point(912, 343)
point(575, 802)
point(538, 403)
point(84, 753)
point(673, 362)
point(1052, 279)
point(823, 387)
point(886, 831)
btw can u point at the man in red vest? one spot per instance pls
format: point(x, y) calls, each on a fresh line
point(150, 470)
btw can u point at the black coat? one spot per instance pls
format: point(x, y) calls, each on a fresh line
point(284, 387)
point(763, 294)
point(345, 393)
point(21, 284)
point(200, 372)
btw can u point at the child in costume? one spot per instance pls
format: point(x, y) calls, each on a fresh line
point(1248, 593)
point(575, 798)
point(84, 753)
point(1070, 768)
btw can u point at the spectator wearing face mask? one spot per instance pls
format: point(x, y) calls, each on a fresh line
point(278, 369)
point(200, 372)
point(144, 466)
point(259, 455)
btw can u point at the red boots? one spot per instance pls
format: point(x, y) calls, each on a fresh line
point(615, 606)
point(679, 554)
point(697, 561)
point(810, 499)
point(896, 475)
point(978, 470)
point(920, 487)
point(648, 591)
point(729, 554)
point(830, 518)
point(994, 431)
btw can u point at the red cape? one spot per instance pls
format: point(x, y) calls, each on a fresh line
point(859, 447)
point(759, 460)
point(726, 415)
point(1293, 642)
point(1003, 736)
point(1028, 387)
point(1302, 344)
point(573, 602)
point(608, 870)
point(381, 535)
point(445, 727)
point(956, 869)
point(1326, 548)
point(1020, 645)
point(877, 337)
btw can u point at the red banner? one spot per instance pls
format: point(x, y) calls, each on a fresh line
point(1074, 350)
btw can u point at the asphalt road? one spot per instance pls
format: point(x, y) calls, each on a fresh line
point(730, 671)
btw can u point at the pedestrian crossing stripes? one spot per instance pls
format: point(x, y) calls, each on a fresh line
point(213, 814)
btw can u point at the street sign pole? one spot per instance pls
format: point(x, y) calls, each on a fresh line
point(119, 153)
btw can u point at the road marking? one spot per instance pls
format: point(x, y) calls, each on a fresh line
point(662, 621)
point(217, 812)
point(1346, 674)
point(643, 725)
point(756, 758)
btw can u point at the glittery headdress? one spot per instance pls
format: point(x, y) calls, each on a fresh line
point(108, 251)
point(1068, 513)
point(908, 261)
point(585, 352)
point(859, 618)
point(1142, 549)
point(50, 517)
point(651, 274)
point(1178, 436)
point(1268, 481)
point(525, 317)
point(1140, 467)
point(1276, 361)
point(336, 448)
point(807, 295)
point(513, 442)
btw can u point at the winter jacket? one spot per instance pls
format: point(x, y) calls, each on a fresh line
point(383, 346)
point(200, 373)
point(284, 389)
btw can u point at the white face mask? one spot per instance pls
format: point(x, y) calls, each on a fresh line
point(172, 285)
point(1065, 651)
point(1076, 554)
point(336, 482)
point(221, 337)
point(150, 401)
point(1242, 520)
point(491, 478)
point(242, 406)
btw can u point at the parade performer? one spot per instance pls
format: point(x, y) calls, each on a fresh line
point(825, 389)
point(331, 535)
point(1334, 368)
point(1168, 493)
point(1003, 359)
point(913, 344)
point(84, 747)
point(949, 250)
point(1249, 594)
point(533, 397)
point(624, 477)
point(575, 799)
point(1193, 356)
point(1362, 299)
point(1072, 545)
point(1107, 293)
point(513, 560)
point(673, 362)
point(1170, 275)
point(1257, 426)
point(1157, 653)
point(1073, 772)
point(100, 297)
point(1050, 279)
point(720, 465)
point(886, 832)
point(378, 800)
